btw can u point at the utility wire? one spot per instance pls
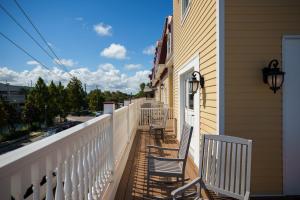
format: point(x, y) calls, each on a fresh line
point(25, 31)
point(22, 49)
point(26, 52)
point(39, 33)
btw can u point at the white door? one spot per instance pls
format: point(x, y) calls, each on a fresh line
point(291, 116)
point(189, 114)
point(189, 106)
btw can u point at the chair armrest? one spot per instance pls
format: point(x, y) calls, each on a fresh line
point(162, 148)
point(174, 193)
point(164, 159)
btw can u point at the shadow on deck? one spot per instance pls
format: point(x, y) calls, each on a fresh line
point(133, 183)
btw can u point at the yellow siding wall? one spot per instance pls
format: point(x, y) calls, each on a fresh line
point(197, 35)
point(253, 36)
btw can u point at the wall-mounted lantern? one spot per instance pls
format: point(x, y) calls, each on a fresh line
point(194, 82)
point(162, 86)
point(273, 76)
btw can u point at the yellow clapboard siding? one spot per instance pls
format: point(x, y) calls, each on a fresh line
point(253, 36)
point(197, 35)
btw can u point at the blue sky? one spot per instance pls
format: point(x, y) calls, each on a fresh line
point(87, 35)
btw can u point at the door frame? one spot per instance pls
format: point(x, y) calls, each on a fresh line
point(192, 64)
point(284, 181)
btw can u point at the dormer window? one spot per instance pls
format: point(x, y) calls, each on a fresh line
point(184, 8)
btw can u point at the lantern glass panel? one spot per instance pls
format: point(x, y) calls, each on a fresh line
point(275, 80)
point(195, 86)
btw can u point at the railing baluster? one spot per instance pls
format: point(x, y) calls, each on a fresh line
point(68, 182)
point(74, 174)
point(80, 172)
point(85, 170)
point(49, 191)
point(59, 192)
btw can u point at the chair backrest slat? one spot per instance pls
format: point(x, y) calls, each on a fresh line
point(225, 165)
point(185, 141)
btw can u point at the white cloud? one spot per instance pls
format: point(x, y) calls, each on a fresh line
point(32, 62)
point(133, 66)
point(103, 29)
point(65, 62)
point(106, 76)
point(116, 51)
point(150, 50)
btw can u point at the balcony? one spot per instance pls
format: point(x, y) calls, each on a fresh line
point(83, 162)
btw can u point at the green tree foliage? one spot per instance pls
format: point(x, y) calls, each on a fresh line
point(141, 93)
point(62, 101)
point(9, 115)
point(76, 95)
point(3, 113)
point(95, 100)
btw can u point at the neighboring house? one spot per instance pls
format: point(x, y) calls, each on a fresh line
point(229, 42)
point(162, 72)
point(13, 94)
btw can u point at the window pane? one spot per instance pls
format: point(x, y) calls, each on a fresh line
point(185, 4)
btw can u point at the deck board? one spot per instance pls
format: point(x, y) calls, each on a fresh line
point(133, 184)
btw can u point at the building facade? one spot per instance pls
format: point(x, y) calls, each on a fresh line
point(13, 94)
point(162, 72)
point(229, 42)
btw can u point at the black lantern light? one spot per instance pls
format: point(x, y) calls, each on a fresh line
point(162, 86)
point(194, 82)
point(273, 76)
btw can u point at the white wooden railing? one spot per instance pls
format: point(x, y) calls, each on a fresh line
point(83, 162)
point(146, 114)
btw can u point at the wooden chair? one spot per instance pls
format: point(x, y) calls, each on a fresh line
point(225, 167)
point(171, 167)
point(158, 124)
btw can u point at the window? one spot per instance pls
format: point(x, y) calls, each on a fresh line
point(184, 7)
point(169, 43)
point(189, 97)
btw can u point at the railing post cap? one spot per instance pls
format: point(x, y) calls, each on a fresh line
point(126, 102)
point(108, 107)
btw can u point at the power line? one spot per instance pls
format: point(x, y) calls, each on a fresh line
point(22, 49)
point(24, 30)
point(39, 33)
point(31, 37)
point(27, 53)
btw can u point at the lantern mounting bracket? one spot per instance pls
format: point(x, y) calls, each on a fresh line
point(201, 81)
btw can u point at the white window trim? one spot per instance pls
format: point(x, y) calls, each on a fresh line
point(185, 14)
point(220, 67)
point(191, 64)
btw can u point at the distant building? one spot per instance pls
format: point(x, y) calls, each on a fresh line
point(13, 94)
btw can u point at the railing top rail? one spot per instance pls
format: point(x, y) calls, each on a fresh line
point(229, 139)
point(33, 150)
point(121, 109)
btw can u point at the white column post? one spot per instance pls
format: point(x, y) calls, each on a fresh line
point(109, 108)
point(127, 103)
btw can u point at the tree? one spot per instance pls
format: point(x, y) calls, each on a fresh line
point(9, 115)
point(3, 113)
point(141, 93)
point(95, 100)
point(76, 95)
point(36, 104)
point(52, 103)
point(62, 101)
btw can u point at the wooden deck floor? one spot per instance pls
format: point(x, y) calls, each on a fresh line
point(133, 182)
